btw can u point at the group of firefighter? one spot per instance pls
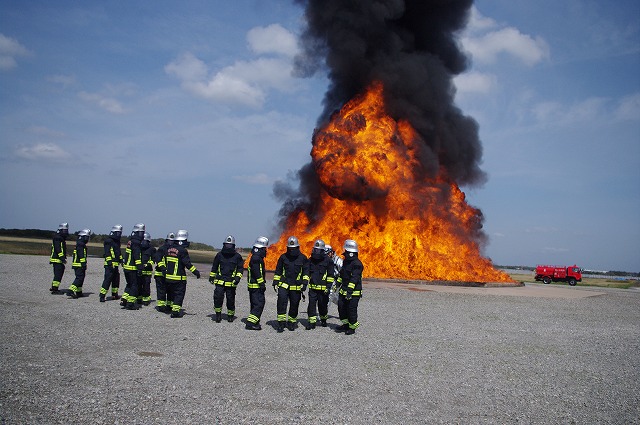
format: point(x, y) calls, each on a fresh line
point(326, 275)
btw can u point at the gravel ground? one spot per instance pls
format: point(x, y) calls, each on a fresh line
point(420, 356)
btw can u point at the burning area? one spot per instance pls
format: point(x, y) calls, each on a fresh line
point(391, 148)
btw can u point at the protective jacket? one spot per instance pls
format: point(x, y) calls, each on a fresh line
point(112, 253)
point(176, 261)
point(133, 255)
point(292, 270)
point(227, 268)
point(147, 260)
point(80, 255)
point(58, 249)
point(158, 257)
point(350, 277)
point(256, 272)
point(321, 272)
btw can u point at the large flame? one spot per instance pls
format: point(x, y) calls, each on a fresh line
point(372, 190)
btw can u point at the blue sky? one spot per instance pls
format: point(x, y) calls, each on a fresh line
point(184, 114)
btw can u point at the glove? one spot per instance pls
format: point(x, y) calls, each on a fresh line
point(236, 281)
point(212, 280)
point(275, 286)
point(348, 296)
point(326, 291)
point(197, 273)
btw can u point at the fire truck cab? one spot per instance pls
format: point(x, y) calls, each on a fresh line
point(547, 274)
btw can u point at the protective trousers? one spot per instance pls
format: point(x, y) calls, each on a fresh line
point(257, 301)
point(348, 311)
point(131, 290)
point(144, 285)
point(76, 286)
point(161, 291)
point(293, 299)
point(111, 278)
point(320, 298)
point(178, 289)
point(218, 298)
point(58, 272)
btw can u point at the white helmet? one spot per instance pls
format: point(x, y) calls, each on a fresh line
point(140, 227)
point(230, 239)
point(319, 244)
point(147, 236)
point(261, 242)
point(182, 235)
point(117, 228)
point(170, 236)
point(350, 245)
point(328, 249)
point(63, 226)
point(292, 242)
point(84, 232)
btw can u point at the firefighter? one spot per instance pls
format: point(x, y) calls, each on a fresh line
point(350, 281)
point(175, 262)
point(256, 283)
point(289, 281)
point(163, 303)
point(226, 273)
point(112, 259)
point(148, 252)
point(132, 265)
point(79, 263)
point(321, 277)
point(58, 256)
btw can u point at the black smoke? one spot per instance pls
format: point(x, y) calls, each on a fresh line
point(411, 47)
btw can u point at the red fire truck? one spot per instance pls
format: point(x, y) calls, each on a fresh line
point(548, 274)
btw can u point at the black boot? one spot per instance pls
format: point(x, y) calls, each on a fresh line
point(73, 295)
point(291, 326)
point(115, 296)
point(218, 317)
point(310, 326)
point(280, 327)
point(177, 314)
point(102, 299)
point(54, 290)
point(342, 328)
point(323, 323)
point(230, 318)
point(349, 331)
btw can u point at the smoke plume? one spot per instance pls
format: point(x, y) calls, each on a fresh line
point(408, 45)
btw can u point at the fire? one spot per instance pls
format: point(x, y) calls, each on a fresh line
point(373, 190)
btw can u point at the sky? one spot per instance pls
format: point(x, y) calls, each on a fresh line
point(182, 115)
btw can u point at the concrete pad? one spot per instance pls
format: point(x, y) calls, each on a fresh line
point(527, 290)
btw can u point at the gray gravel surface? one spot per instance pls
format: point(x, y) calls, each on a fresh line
point(419, 357)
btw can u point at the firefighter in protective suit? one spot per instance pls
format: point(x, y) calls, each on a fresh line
point(175, 263)
point(256, 280)
point(226, 273)
point(163, 303)
point(148, 251)
point(289, 281)
point(58, 256)
point(321, 277)
point(112, 259)
point(132, 265)
point(79, 263)
point(350, 281)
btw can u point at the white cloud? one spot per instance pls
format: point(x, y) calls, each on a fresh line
point(629, 108)
point(10, 48)
point(42, 152)
point(107, 103)
point(64, 80)
point(272, 39)
point(259, 178)
point(475, 82)
point(245, 82)
point(485, 42)
point(588, 110)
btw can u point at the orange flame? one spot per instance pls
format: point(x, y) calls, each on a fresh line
point(373, 191)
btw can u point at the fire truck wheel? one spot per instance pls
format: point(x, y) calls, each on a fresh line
point(572, 282)
point(546, 280)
